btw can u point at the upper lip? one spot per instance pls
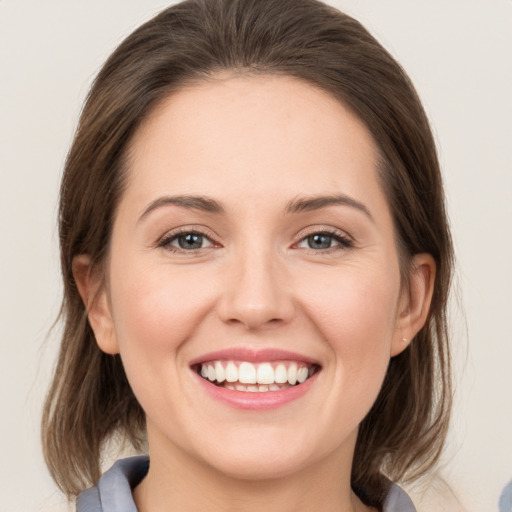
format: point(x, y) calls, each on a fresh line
point(253, 356)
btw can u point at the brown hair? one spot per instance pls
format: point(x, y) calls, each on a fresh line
point(90, 400)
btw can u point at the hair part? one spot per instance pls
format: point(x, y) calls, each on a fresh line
point(90, 400)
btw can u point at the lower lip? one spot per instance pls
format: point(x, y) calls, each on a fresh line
point(257, 401)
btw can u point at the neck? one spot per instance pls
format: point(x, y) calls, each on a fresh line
point(177, 481)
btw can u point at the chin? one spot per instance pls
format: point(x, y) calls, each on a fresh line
point(260, 467)
point(263, 456)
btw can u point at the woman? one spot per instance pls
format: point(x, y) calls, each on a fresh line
point(256, 262)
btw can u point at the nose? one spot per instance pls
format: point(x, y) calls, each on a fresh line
point(256, 293)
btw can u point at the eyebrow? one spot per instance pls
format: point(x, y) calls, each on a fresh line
point(297, 205)
point(307, 204)
point(193, 202)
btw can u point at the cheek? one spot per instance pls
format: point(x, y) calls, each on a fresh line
point(155, 312)
point(354, 307)
point(356, 316)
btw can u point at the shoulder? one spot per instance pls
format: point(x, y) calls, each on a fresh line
point(113, 492)
point(398, 501)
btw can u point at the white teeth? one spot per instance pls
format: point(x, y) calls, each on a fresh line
point(246, 376)
point(302, 374)
point(281, 375)
point(265, 374)
point(247, 373)
point(231, 372)
point(219, 371)
point(292, 374)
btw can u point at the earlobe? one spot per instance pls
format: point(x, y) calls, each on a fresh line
point(415, 303)
point(91, 286)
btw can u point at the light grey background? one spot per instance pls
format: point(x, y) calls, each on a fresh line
point(459, 55)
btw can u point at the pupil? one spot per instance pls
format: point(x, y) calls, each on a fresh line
point(190, 241)
point(319, 241)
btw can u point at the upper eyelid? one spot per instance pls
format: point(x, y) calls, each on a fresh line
point(341, 241)
point(166, 243)
point(312, 230)
point(183, 230)
point(336, 242)
point(344, 241)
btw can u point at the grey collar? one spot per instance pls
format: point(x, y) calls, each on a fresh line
point(113, 493)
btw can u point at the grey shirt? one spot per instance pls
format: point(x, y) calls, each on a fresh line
point(113, 493)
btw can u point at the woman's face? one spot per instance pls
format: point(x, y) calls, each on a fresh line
point(253, 244)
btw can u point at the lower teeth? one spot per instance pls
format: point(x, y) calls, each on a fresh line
point(252, 388)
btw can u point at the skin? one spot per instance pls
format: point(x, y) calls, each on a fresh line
point(253, 144)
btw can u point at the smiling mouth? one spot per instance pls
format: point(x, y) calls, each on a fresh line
point(256, 377)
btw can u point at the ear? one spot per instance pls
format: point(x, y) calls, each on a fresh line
point(415, 302)
point(91, 286)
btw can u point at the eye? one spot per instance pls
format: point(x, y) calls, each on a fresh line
point(325, 240)
point(186, 241)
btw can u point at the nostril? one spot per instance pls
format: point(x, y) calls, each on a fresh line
point(255, 320)
point(255, 299)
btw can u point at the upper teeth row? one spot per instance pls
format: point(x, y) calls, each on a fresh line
point(248, 373)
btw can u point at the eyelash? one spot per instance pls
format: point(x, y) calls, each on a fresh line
point(343, 241)
point(168, 239)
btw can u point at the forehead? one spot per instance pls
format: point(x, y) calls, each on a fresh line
point(246, 135)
